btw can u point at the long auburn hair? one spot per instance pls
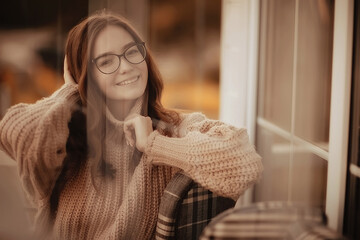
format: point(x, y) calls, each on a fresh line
point(79, 43)
point(81, 40)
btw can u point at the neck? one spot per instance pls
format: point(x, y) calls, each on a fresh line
point(120, 109)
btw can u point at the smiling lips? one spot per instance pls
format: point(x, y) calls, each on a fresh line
point(129, 81)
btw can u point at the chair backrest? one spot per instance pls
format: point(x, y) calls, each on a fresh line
point(270, 220)
point(186, 208)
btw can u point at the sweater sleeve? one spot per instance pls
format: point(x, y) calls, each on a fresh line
point(35, 136)
point(216, 155)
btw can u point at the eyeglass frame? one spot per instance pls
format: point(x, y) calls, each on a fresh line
point(121, 55)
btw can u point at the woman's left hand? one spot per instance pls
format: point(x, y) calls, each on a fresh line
point(137, 128)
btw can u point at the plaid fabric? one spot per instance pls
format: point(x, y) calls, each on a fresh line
point(270, 220)
point(186, 208)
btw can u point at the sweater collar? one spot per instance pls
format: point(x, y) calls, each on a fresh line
point(140, 107)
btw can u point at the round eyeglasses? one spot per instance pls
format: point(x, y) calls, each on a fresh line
point(109, 63)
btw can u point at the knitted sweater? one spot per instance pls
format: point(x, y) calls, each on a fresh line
point(216, 155)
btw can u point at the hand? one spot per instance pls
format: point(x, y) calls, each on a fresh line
point(137, 128)
point(67, 76)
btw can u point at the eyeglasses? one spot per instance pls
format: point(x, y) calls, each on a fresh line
point(109, 63)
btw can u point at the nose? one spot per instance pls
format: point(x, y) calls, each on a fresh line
point(125, 66)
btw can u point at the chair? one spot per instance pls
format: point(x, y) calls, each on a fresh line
point(186, 208)
point(270, 220)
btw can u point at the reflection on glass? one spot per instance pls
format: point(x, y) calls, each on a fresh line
point(276, 66)
point(294, 99)
point(309, 176)
point(313, 75)
point(276, 159)
point(185, 37)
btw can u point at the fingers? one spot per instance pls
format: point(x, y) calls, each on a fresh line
point(65, 64)
point(137, 128)
point(129, 132)
point(129, 129)
point(67, 76)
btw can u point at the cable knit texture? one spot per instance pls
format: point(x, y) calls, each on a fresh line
point(216, 155)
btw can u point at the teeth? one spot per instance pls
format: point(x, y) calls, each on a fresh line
point(128, 81)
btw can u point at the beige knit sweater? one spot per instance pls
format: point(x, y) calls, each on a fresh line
point(216, 155)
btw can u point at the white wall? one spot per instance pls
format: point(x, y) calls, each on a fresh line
point(238, 66)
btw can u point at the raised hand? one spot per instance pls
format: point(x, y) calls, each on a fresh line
point(137, 128)
point(67, 76)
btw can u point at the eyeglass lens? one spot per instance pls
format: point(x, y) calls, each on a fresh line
point(111, 62)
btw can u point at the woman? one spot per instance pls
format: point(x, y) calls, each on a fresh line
point(96, 156)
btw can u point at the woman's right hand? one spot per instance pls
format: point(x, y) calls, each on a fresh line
point(67, 76)
point(137, 129)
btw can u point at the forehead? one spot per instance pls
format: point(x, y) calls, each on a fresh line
point(111, 39)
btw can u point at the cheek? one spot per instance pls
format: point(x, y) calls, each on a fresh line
point(144, 71)
point(100, 81)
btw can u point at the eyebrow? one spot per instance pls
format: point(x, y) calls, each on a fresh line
point(122, 49)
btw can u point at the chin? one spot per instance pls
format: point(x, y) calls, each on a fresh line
point(130, 95)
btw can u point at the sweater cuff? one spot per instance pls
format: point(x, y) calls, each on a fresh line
point(162, 150)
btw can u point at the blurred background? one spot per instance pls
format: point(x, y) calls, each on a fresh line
point(287, 70)
point(184, 35)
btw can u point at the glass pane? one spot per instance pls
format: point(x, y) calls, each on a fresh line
point(276, 61)
point(275, 151)
point(292, 171)
point(308, 178)
point(185, 38)
point(313, 75)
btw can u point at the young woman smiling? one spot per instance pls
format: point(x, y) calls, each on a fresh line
point(96, 156)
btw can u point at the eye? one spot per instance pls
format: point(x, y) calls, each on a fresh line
point(132, 51)
point(106, 60)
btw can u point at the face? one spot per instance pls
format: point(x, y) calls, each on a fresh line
point(129, 81)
